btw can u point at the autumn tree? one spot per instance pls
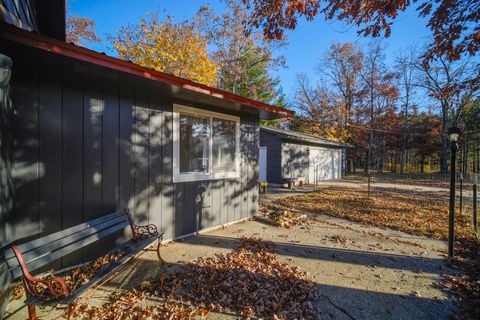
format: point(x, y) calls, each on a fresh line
point(470, 124)
point(379, 91)
point(405, 66)
point(454, 24)
point(173, 47)
point(245, 59)
point(317, 111)
point(425, 135)
point(446, 83)
point(342, 65)
point(80, 29)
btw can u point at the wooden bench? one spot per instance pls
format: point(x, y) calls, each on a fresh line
point(51, 290)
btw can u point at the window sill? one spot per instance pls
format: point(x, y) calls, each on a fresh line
point(190, 177)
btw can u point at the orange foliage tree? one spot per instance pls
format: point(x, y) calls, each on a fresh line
point(173, 47)
point(454, 24)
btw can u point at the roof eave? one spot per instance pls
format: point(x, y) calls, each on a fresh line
point(55, 46)
point(317, 141)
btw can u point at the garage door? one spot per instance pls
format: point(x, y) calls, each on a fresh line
point(326, 164)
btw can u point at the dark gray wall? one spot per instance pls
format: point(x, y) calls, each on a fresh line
point(274, 155)
point(6, 180)
point(88, 141)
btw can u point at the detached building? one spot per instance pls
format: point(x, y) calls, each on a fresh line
point(287, 154)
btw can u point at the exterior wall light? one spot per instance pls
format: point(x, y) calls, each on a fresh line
point(5, 70)
point(454, 134)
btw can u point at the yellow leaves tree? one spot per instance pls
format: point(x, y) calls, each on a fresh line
point(172, 47)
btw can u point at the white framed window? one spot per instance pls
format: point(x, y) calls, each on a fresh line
point(206, 145)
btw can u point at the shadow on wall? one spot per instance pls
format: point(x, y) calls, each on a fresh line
point(89, 141)
point(6, 181)
point(295, 161)
point(244, 199)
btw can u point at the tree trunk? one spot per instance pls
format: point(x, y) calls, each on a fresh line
point(444, 147)
point(422, 164)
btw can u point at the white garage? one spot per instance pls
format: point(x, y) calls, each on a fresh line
point(287, 155)
point(324, 164)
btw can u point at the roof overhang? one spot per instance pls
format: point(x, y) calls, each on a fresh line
point(180, 88)
point(300, 138)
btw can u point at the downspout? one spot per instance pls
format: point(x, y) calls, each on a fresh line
point(6, 182)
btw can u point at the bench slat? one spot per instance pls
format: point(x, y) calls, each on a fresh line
point(25, 247)
point(35, 264)
point(74, 238)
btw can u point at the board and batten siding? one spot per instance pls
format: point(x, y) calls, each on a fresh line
point(295, 160)
point(89, 141)
point(274, 155)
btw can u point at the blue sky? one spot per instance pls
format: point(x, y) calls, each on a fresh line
point(306, 43)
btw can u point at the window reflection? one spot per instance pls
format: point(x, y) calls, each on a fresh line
point(223, 145)
point(194, 141)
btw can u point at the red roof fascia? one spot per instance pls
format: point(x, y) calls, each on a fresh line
point(69, 50)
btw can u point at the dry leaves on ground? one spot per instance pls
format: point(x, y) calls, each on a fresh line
point(419, 213)
point(76, 277)
point(466, 286)
point(248, 281)
point(281, 217)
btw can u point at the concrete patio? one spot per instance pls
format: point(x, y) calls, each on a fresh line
point(359, 276)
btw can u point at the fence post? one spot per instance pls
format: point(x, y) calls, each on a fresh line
point(461, 191)
point(475, 209)
point(369, 177)
point(475, 216)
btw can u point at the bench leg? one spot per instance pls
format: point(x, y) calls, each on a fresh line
point(32, 315)
point(158, 251)
point(71, 309)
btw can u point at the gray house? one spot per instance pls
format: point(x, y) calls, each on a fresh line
point(83, 134)
point(287, 154)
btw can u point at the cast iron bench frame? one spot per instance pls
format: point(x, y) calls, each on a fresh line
point(30, 256)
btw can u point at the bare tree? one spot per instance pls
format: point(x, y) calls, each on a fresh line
point(449, 84)
point(405, 66)
point(342, 65)
point(317, 111)
point(238, 51)
point(379, 91)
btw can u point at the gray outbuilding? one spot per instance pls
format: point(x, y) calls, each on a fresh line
point(287, 154)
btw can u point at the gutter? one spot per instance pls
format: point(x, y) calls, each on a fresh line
point(58, 47)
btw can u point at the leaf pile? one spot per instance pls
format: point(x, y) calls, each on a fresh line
point(465, 287)
point(17, 292)
point(76, 277)
point(281, 217)
point(419, 213)
point(83, 274)
point(248, 281)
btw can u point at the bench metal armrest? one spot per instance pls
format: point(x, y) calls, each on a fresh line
point(145, 231)
point(142, 232)
point(48, 288)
